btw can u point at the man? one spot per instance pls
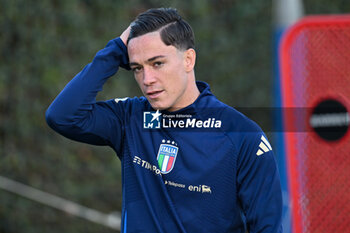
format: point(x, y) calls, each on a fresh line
point(189, 162)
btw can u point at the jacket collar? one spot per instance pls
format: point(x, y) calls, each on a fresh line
point(200, 102)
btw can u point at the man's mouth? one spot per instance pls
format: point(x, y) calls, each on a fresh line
point(154, 94)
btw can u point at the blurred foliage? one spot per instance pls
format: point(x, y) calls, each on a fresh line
point(43, 44)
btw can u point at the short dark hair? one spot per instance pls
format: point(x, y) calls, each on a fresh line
point(174, 30)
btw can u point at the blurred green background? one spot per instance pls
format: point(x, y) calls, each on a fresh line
point(43, 44)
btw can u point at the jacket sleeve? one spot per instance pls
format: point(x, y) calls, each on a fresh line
point(76, 114)
point(259, 188)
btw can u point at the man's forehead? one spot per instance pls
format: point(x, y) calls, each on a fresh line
point(148, 46)
point(145, 39)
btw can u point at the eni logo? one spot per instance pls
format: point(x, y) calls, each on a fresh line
point(199, 188)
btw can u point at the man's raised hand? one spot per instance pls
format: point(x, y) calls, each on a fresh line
point(124, 36)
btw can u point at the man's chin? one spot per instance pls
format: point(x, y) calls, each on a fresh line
point(158, 106)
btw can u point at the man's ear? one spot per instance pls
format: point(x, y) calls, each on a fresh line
point(190, 59)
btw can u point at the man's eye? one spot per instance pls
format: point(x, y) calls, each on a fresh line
point(158, 64)
point(136, 69)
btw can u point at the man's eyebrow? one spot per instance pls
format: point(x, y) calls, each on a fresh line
point(134, 64)
point(155, 58)
point(148, 60)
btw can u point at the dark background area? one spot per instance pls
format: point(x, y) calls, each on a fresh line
point(43, 44)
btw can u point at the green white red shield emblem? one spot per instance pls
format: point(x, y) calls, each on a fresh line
point(166, 157)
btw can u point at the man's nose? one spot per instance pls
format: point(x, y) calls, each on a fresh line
point(148, 76)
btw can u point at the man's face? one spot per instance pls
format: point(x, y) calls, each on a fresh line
point(160, 71)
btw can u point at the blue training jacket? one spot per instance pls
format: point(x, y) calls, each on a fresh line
point(204, 168)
